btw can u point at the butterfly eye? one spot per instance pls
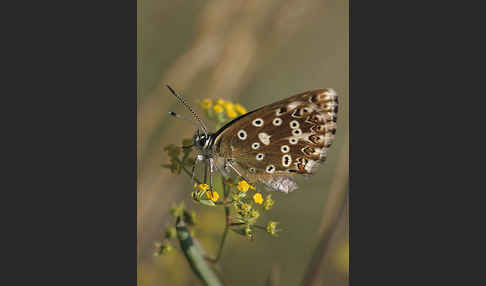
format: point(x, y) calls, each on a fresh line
point(242, 134)
point(296, 132)
point(284, 148)
point(286, 160)
point(255, 145)
point(270, 169)
point(293, 141)
point(260, 156)
point(294, 124)
point(277, 121)
point(252, 170)
point(258, 122)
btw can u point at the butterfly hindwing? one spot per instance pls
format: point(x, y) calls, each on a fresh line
point(288, 137)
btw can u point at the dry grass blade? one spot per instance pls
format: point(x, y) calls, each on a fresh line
point(333, 210)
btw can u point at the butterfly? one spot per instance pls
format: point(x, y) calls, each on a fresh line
point(273, 143)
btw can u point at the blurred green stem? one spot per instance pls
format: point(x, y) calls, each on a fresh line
point(195, 256)
point(333, 210)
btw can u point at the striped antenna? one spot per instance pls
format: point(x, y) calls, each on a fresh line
point(203, 127)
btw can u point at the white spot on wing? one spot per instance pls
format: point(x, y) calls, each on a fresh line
point(330, 94)
point(270, 169)
point(260, 156)
point(286, 160)
point(242, 134)
point(264, 137)
point(293, 105)
point(277, 121)
point(331, 104)
point(257, 122)
point(294, 124)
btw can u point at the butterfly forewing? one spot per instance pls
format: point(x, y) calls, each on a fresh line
point(288, 137)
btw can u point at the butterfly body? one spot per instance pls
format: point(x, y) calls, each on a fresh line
point(272, 143)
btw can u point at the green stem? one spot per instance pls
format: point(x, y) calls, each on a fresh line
point(227, 219)
point(195, 256)
point(260, 227)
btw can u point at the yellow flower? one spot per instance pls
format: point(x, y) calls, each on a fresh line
point(220, 101)
point(218, 108)
point(258, 198)
point(228, 105)
point(231, 113)
point(212, 196)
point(240, 109)
point(203, 187)
point(206, 103)
point(243, 186)
point(230, 109)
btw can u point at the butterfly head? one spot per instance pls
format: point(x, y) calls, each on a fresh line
point(202, 141)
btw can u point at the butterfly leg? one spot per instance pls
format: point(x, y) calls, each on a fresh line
point(198, 158)
point(237, 172)
point(205, 171)
point(211, 170)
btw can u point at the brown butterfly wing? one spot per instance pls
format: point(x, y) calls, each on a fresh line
point(288, 137)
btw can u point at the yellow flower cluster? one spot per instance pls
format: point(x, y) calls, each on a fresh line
point(218, 108)
point(163, 248)
point(231, 109)
point(268, 204)
point(272, 228)
point(204, 189)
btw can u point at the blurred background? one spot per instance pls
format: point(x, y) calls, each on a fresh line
point(254, 53)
